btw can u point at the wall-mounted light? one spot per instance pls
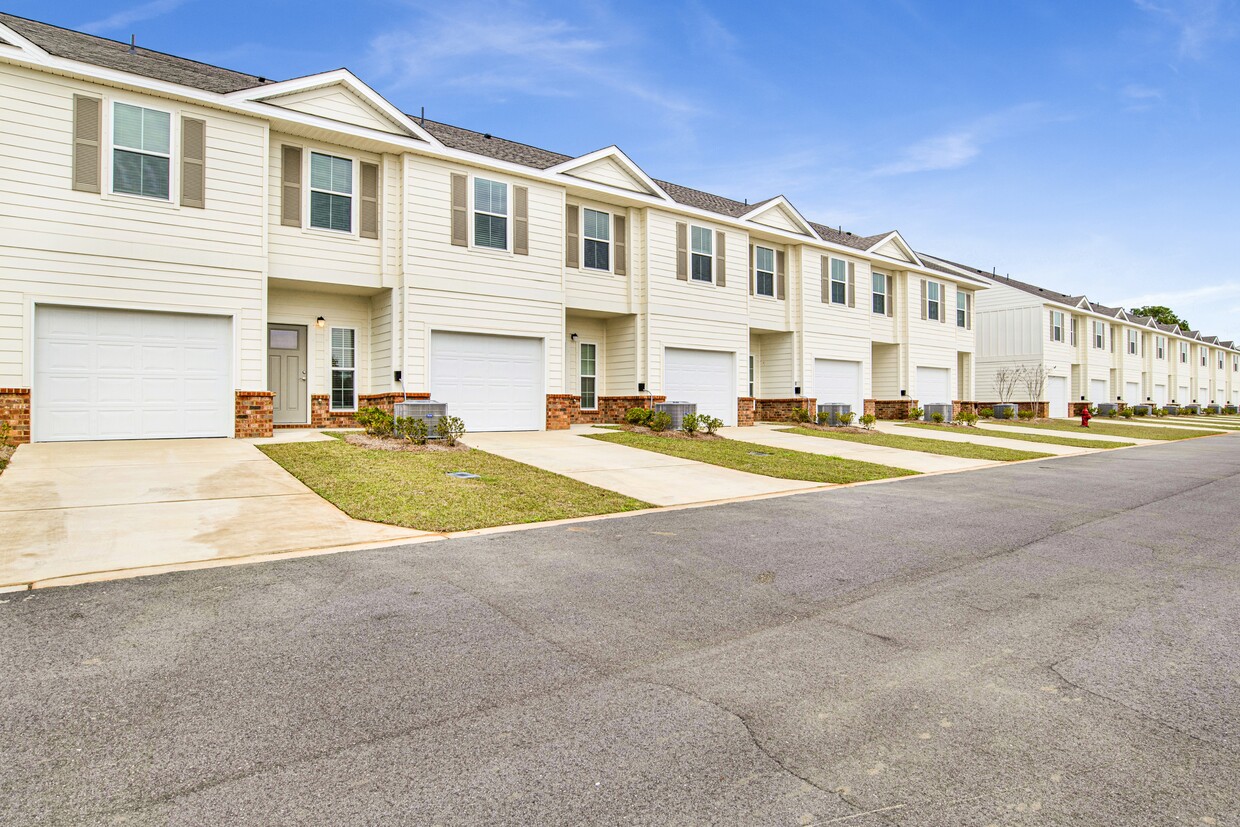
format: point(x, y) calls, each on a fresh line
point(320, 322)
point(904, 393)
point(796, 390)
point(573, 337)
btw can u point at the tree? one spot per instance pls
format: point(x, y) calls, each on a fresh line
point(1006, 380)
point(1161, 314)
point(1034, 379)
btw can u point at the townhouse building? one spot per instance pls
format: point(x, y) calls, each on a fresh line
point(189, 251)
point(1091, 353)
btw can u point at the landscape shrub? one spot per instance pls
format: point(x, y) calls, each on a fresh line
point(450, 429)
point(800, 415)
point(376, 421)
point(638, 416)
point(916, 413)
point(824, 418)
point(1127, 413)
point(1142, 412)
point(659, 421)
point(412, 428)
point(986, 413)
point(868, 421)
point(1161, 412)
point(710, 424)
point(968, 418)
point(1025, 415)
point(689, 423)
point(936, 418)
point(845, 418)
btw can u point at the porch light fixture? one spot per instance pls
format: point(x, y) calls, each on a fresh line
point(320, 322)
point(573, 337)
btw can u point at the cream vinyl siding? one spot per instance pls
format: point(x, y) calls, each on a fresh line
point(771, 312)
point(832, 331)
point(778, 218)
point(619, 378)
point(589, 331)
point(472, 290)
point(776, 354)
point(302, 307)
point(339, 104)
point(886, 371)
point(601, 290)
point(381, 356)
point(608, 171)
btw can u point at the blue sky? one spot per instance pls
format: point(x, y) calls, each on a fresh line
point(1088, 147)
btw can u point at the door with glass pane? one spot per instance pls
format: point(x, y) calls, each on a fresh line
point(286, 373)
point(589, 376)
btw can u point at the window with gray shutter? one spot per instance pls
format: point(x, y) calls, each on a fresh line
point(141, 151)
point(572, 246)
point(521, 221)
point(290, 186)
point(368, 201)
point(682, 251)
point(193, 162)
point(87, 126)
point(331, 192)
point(781, 274)
point(721, 260)
point(622, 245)
point(460, 210)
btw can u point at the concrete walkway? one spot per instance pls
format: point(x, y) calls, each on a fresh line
point(773, 436)
point(976, 437)
point(656, 478)
point(1074, 431)
point(73, 508)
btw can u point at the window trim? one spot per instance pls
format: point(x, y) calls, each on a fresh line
point(753, 375)
point(758, 271)
point(962, 309)
point(581, 375)
point(1099, 337)
point(710, 235)
point(937, 303)
point(1133, 344)
point(1072, 330)
point(1183, 353)
point(875, 293)
point(473, 211)
point(609, 241)
point(1057, 329)
point(1160, 347)
point(109, 161)
point(309, 188)
point(331, 369)
point(842, 281)
point(1205, 357)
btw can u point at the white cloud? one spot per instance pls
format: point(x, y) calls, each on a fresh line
point(1195, 24)
point(133, 14)
point(958, 147)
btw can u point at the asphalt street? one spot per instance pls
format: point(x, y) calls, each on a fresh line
point(1051, 643)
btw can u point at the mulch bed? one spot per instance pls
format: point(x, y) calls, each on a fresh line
point(387, 443)
point(670, 434)
point(835, 429)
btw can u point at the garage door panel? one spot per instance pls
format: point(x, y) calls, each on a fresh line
point(838, 382)
point(1057, 395)
point(934, 386)
point(1098, 391)
point(704, 377)
point(493, 383)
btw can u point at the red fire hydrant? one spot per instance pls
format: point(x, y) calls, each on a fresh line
point(1085, 417)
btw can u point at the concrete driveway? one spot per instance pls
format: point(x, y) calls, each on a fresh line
point(773, 436)
point(71, 508)
point(656, 478)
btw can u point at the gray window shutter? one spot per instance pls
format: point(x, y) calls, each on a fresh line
point(290, 186)
point(781, 279)
point(721, 260)
point(682, 251)
point(368, 203)
point(622, 245)
point(521, 221)
point(925, 312)
point(942, 303)
point(572, 231)
point(852, 284)
point(826, 279)
point(193, 163)
point(891, 296)
point(460, 218)
point(1050, 328)
point(87, 125)
point(753, 266)
point(968, 311)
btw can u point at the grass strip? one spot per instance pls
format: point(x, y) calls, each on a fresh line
point(968, 450)
point(1048, 438)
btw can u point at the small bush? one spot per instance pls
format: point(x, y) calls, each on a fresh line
point(1142, 411)
point(916, 413)
point(1127, 413)
point(376, 421)
point(450, 429)
point(5, 430)
point(659, 421)
point(1025, 415)
point(868, 420)
point(936, 418)
point(846, 418)
point(1112, 413)
point(710, 424)
point(689, 423)
point(823, 418)
point(800, 415)
point(638, 416)
point(1161, 412)
point(967, 417)
point(412, 428)
point(986, 413)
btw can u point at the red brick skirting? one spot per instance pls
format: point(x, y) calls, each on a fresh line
point(253, 414)
point(893, 408)
point(1075, 408)
point(15, 410)
point(868, 404)
point(322, 416)
point(560, 407)
point(959, 407)
point(564, 409)
point(746, 411)
point(780, 410)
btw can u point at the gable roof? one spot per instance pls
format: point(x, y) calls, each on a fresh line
point(894, 239)
point(630, 174)
point(779, 205)
point(113, 54)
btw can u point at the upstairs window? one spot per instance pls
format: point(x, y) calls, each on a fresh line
point(596, 232)
point(1160, 347)
point(764, 272)
point(331, 192)
point(1100, 335)
point(703, 254)
point(1220, 361)
point(1132, 342)
point(490, 214)
point(141, 151)
point(934, 301)
point(878, 294)
point(839, 281)
point(1235, 364)
point(1184, 353)
point(962, 311)
point(1202, 350)
point(1056, 326)
point(1072, 330)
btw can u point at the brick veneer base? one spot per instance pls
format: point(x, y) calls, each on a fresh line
point(1041, 410)
point(746, 411)
point(253, 414)
point(15, 410)
point(780, 410)
point(560, 407)
point(564, 409)
point(322, 416)
point(893, 408)
point(867, 406)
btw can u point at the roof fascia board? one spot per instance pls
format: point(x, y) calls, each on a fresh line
point(616, 154)
point(775, 203)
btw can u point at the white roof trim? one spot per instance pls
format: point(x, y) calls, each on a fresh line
point(33, 52)
point(781, 201)
point(616, 154)
point(336, 77)
point(895, 236)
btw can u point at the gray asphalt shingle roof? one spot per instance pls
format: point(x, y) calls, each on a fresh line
point(1041, 292)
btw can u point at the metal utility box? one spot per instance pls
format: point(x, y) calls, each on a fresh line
point(1005, 411)
point(426, 410)
point(677, 411)
point(835, 410)
point(1190, 409)
point(928, 412)
point(1172, 410)
point(1107, 408)
point(1143, 410)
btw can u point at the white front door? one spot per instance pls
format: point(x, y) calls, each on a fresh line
point(1098, 391)
point(705, 377)
point(130, 374)
point(492, 383)
point(1132, 393)
point(1057, 395)
point(934, 386)
point(1160, 395)
point(837, 382)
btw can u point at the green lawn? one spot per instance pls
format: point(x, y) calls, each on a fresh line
point(1050, 439)
point(1203, 422)
point(413, 490)
point(776, 462)
point(1111, 429)
point(926, 446)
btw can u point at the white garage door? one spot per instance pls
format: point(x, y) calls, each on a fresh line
point(127, 374)
point(1132, 393)
point(837, 382)
point(1057, 395)
point(1183, 398)
point(934, 386)
point(1160, 395)
point(706, 377)
point(1203, 396)
point(493, 383)
point(1098, 391)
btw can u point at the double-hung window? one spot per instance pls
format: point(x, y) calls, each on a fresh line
point(596, 239)
point(764, 272)
point(588, 357)
point(1184, 353)
point(1100, 335)
point(331, 192)
point(1202, 351)
point(962, 309)
point(878, 294)
point(934, 301)
point(344, 369)
point(1132, 343)
point(752, 374)
point(1160, 347)
point(839, 281)
point(1056, 326)
point(1220, 361)
point(141, 151)
point(1235, 364)
point(702, 254)
point(1072, 330)
point(490, 214)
